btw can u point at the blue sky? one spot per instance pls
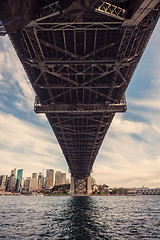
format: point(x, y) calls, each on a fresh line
point(130, 153)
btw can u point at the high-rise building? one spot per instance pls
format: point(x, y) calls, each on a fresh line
point(49, 178)
point(27, 184)
point(19, 180)
point(44, 182)
point(12, 180)
point(62, 178)
point(40, 181)
point(13, 172)
point(57, 178)
point(22, 184)
point(1, 179)
point(34, 182)
point(34, 175)
point(3, 182)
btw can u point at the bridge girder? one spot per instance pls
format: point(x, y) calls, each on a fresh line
point(80, 65)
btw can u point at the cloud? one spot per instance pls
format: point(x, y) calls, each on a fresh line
point(26, 146)
point(125, 126)
point(15, 80)
point(15, 87)
point(128, 156)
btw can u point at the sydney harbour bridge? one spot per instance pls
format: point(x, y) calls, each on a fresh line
point(80, 56)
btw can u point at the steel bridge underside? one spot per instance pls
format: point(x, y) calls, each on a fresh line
point(80, 63)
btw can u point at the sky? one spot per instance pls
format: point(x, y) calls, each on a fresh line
point(130, 153)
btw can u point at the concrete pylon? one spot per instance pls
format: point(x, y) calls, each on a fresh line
point(80, 186)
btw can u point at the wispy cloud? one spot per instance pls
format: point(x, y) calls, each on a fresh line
point(129, 158)
point(15, 79)
point(27, 146)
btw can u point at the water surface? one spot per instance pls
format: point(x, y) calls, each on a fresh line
point(117, 218)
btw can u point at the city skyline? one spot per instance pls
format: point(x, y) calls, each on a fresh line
point(129, 155)
point(15, 182)
point(32, 174)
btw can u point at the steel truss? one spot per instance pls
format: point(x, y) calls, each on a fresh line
point(81, 186)
point(80, 67)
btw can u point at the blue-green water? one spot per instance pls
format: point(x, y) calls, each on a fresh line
point(130, 217)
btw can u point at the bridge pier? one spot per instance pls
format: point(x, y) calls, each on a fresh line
point(80, 186)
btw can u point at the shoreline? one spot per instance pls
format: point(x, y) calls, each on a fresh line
point(65, 195)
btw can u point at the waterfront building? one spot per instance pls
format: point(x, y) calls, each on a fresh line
point(27, 184)
point(22, 184)
point(131, 191)
point(49, 178)
point(3, 182)
point(62, 178)
point(19, 180)
point(34, 175)
point(148, 191)
point(40, 181)
point(34, 184)
point(57, 178)
point(44, 182)
point(12, 181)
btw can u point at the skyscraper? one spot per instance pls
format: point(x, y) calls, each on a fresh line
point(34, 175)
point(34, 182)
point(62, 178)
point(19, 180)
point(27, 184)
point(57, 178)
point(40, 181)
point(49, 178)
point(12, 180)
point(3, 182)
point(44, 182)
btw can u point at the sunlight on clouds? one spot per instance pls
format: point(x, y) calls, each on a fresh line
point(28, 162)
point(23, 144)
point(125, 126)
point(15, 133)
point(128, 156)
point(130, 175)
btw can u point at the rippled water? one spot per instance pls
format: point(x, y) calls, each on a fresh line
point(130, 217)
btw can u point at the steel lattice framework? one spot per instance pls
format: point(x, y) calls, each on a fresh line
point(80, 60)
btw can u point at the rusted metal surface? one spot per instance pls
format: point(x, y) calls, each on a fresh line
point(80, 65)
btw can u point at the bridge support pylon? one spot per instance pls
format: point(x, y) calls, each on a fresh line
point(80, 186)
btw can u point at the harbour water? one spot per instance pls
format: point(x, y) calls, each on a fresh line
point(101, 217)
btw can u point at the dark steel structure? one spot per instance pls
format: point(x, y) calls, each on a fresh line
point(80, 57)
